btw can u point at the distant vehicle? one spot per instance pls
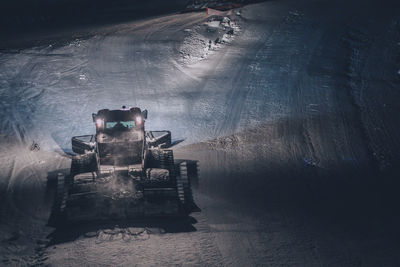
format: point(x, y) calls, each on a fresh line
point(123, 172)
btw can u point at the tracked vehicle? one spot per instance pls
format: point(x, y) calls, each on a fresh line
point(123, 172)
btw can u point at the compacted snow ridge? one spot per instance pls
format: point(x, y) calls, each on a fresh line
point(201, 41)
point(291, 108)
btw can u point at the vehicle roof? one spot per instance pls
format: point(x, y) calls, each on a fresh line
point(118, 114)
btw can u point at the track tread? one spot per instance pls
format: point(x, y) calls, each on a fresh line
point(60, 200)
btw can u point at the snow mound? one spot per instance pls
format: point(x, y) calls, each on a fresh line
point(201, 41)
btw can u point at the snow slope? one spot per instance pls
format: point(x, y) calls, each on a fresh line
point(294, 122)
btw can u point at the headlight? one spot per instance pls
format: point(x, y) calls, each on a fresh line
point(99, 123)
point(139, 120)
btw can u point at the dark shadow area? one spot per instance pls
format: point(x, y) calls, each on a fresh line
point(350, 200)
point(126, 228)
point(53, 14)
point(26, 23)
point(347, 193)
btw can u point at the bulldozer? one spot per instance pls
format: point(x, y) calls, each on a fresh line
point(123, 172)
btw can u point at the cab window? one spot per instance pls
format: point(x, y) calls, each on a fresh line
point(126, 124)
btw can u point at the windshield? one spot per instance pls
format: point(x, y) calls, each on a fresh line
point(119, 124)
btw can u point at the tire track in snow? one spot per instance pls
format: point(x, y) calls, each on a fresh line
point(243, 83)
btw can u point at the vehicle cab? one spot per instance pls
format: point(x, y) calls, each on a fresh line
point(120, 135)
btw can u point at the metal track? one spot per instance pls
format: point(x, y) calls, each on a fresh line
point(60, 200)
point(167, 162)
point(183, 185)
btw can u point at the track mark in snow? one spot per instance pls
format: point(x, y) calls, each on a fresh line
point(184, 71)
point(358, 44)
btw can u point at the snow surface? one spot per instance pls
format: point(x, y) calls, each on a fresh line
point(294, 120)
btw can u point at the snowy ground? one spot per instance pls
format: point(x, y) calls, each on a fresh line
point(293, 117)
